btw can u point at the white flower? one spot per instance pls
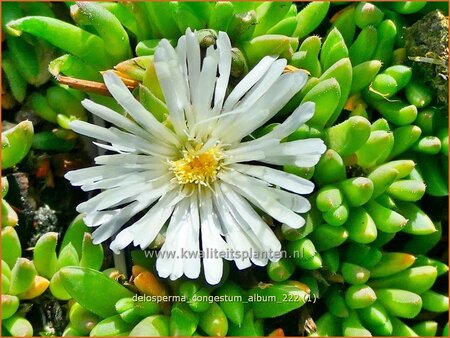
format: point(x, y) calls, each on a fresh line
point(198, 175)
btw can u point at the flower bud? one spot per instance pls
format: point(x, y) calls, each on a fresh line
point(239, 65)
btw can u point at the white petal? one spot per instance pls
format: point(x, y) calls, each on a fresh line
point(251, 146)
point(144, 231)
point(166, 51)
point(248, 81)
point(292, 201)
point(111, 116)
point(304, 161)
point(174, 104)
point(311, 146)
point(110, 227)
point(181, 52)
point(239, 227)
point(239, 244)
point(259, 252)
point(133, 107)
point(146, 146)
point(130, 160)
point(103, 134)
point(255, 191)
point(115, 148)
point(193, 60)
point(155, 218)
point(97, 218)
point(93, 131)
point(173, 83)
point(249, 151)
point(211, 239)
point(261, 88)
point(213, 267)
point(182, 237)
point(206, 84)
point(302, 114)
point(224, 47)
point(110, 197)
point(191, 265)
point(120, 138)
point(177, 268)
point(286, 86)
point(209, 213)
point(122, 240)
point(260, 228)
point(124, 180)
point(286, 181)
point(166, 257)
point(92, 174)
point(235, 237)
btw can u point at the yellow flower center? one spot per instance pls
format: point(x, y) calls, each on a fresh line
point(198, 168)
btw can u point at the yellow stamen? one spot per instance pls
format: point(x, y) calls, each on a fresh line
point(198, 168)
